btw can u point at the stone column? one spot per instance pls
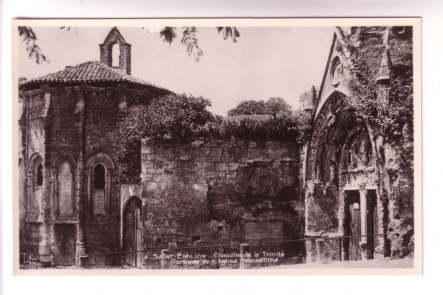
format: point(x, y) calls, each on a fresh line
point(381, 224)
point(80, 251)
point(341, 211)
point(363, 218)
point(46, 256)
point(25, 170)
point(310, 245)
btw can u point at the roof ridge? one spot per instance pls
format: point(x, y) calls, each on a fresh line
point(89, 71)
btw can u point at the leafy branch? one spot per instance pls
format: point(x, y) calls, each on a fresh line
point(168, 34)
point(30, 38)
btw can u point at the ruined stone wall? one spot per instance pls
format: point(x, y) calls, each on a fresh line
point(215, 191)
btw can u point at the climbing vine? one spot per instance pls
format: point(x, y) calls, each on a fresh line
point(391, 118)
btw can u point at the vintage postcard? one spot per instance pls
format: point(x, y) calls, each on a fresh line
point(217, 145)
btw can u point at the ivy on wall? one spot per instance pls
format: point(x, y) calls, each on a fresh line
point(183, 118)
point(392, 119)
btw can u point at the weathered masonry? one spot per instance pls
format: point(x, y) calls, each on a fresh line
point(71, 202)
point(359, 200)
point(220, 191)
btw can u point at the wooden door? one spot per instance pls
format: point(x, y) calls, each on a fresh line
point(355, 233)
point(352, 224)
point(132, 238)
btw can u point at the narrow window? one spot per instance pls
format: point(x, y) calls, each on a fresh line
point(65, 189)
point(39, 175)
point(36, 180)
point(98, 198)
point(115, 55)
point(99, 177)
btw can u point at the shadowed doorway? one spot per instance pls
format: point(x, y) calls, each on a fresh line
point(132, 237)
point(360, 224)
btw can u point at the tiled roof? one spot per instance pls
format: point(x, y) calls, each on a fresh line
point(88, 72)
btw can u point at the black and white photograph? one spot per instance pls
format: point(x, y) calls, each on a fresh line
point(217, 145)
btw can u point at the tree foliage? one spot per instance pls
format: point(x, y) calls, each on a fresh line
point(277, 106)
point(229, 32)
point(273, 106)
point(258, 127)
point(167, 117)
point(30, 39)
point(248, 107)
point(172, 117)
point(183, 118)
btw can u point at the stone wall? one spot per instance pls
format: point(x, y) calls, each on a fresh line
point(65, 128)
point(207, 192)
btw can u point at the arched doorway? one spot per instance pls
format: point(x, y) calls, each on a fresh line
point(132, 232)
point(359, 189)
point(342, 184)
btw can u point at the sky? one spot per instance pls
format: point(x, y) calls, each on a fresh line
point(263, 63)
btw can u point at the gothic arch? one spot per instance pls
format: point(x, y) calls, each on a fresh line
point(329, 131)
point(336, 93)
point(341, 176)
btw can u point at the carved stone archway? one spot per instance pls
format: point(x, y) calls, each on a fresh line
point(341, 171)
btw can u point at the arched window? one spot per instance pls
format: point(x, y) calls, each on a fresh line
point(115, 49)
point(99, 190)
point(35, 179)
point(100, 183)
point(65, 189)
point(99, 177)
point(38, 175)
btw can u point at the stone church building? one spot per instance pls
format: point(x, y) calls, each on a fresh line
point(71, 199)
point(335, 193)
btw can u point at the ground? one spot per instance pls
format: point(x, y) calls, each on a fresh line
point(374, 263)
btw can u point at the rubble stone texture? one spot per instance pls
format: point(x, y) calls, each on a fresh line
point(221, 191)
